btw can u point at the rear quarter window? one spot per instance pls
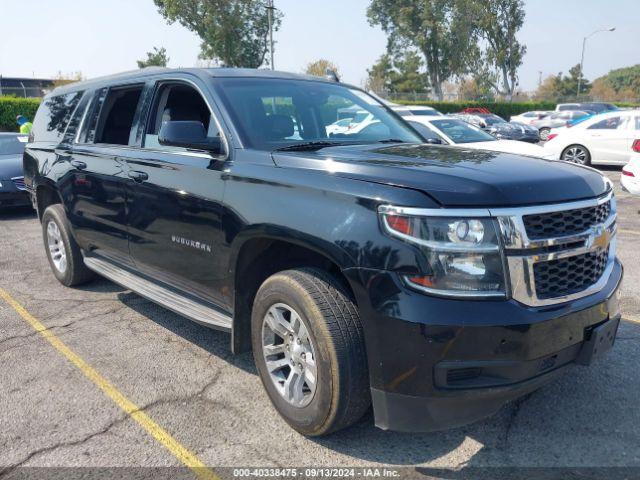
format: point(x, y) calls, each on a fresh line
point(53, 117)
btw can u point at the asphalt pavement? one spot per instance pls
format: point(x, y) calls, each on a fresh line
point(183, 379)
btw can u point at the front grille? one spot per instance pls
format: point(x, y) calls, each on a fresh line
point(19, 183)
point(566, 276)
point(567, 222)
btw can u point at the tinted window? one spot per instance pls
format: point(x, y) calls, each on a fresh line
point(462, 132)
point(177, 102)
point(53, 116)
point(492, 119)
point(273, 113)
point(423, 130)
point(91, 123)
point(568, 106)
point(12, 144)
point(425, 113)
point(116, 116)
point(637, 123)
point(610, 123)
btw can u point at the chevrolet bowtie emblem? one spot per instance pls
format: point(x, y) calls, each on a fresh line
point(599, 238)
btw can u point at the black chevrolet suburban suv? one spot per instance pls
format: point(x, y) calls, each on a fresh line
point(361, 265)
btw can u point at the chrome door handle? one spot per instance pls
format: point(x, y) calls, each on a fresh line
point(80, 165)
point(138, 176)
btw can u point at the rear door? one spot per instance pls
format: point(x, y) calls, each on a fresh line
point(175, 199)
point(97, 209)
point(609, 140)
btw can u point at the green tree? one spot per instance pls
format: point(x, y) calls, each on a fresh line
point(402, 74)
point(236, 32)
point(622, 84)
point(157, 58)
point(379, 78)
point(439, 29)
point(409, 77)
point(559, 87)
point(496, 23)
point(319, 68)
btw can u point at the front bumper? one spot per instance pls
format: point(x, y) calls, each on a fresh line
point(438, 363)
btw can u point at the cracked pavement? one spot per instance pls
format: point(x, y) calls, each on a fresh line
point(184, 376)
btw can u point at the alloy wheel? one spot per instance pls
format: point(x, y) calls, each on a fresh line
point(56, 247)
point(289, 355)
point(576, 155)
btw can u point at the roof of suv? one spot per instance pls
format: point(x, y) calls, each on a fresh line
point(213, 72)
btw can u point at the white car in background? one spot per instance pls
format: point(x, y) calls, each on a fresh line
point(453, 131)
point(529, 117)
point(606, 138)
point(630, 178)
point(415, 110)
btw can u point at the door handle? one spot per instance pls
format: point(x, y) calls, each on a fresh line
point(138, 176)
point(80, 165)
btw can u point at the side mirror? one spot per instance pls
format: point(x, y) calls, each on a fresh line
point(188, 134)
point(433, 141)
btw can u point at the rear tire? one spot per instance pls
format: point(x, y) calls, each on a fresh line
point(62, 250)
point(544, 134)
point(576, 154)
point(319, 324)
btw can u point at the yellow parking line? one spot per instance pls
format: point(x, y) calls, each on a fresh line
point(629, 232)
point(156, 431)
point(627, 318)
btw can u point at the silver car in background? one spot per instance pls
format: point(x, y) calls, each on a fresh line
point(557, 120)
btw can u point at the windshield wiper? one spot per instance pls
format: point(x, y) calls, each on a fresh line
point(317, 145)
point(391, 140)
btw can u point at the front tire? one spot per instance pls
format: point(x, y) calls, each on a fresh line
point(576, 154)
point(309, 348)
point(65, 257)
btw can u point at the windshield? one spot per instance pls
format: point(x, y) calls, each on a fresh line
point(12, 144)
point(274, 113)
point(492, 119)
point(425, 113)
point(462, 132)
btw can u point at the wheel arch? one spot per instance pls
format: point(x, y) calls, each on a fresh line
point(255, 257)
point(46, 194)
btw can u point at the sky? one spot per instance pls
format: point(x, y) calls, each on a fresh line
point(98, 37)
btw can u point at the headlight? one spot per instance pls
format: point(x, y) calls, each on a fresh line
point(463, 255)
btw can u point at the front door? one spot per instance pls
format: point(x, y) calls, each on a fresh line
point(175, 199)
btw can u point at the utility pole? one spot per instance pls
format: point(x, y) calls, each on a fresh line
point(270, 9)
point(584, 43)
point(539, 78)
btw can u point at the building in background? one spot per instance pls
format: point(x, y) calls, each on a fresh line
point(25, 87)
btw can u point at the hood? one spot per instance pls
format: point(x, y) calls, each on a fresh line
point(454, 176)
point(508, 146)
point(10, 166)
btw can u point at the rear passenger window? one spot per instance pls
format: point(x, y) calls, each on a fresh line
point(177, 102)
point(610, 123)
point(53, 117)
point(117, 112)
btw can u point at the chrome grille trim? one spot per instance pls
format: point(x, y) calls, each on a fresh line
point(19, 183)
point(523, 253)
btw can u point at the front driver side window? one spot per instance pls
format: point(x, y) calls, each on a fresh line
point(177, 102)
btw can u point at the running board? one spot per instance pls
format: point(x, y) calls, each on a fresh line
point(191, 309)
